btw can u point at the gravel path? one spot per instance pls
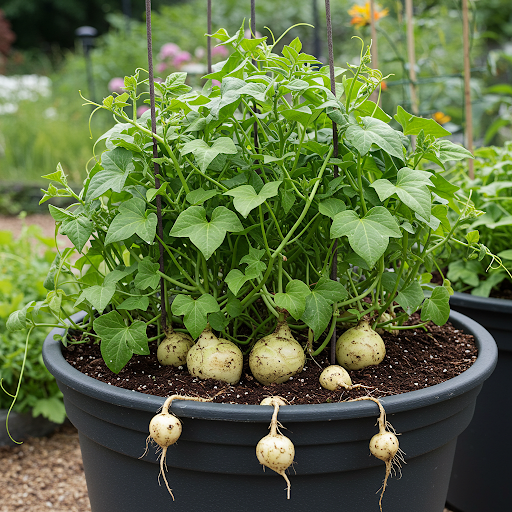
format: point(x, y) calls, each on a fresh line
point(44, 474)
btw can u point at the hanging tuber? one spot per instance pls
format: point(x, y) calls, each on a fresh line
point(276, 451)
point(165, 429)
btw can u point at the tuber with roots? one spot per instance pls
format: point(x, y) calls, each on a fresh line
point(174, 348)
point(276, 451)
point(276, 357)
point(215, 358)
point(359, 347)
point(384, 445)
point(165, 429)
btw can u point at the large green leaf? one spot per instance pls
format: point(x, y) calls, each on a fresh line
point(132, 218)
point(235, 280)
point(120, 341)
point(449, 151)
point(254, 264)
point(410, 298)
point(117, 164)
point(204, 154)
point(368, 236)
point(374, 131)
point(200, 195)
point(78, 230)
point(412, 189)
point(98, 296)
point(294, 300)
point(206, 236)
point(246, 198)
point(146, 276)
point(437, 306)
point(412, 125)
point(195, 312)
point(331, 291)
point(317, 314)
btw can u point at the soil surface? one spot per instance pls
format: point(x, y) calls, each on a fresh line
point(414, 359)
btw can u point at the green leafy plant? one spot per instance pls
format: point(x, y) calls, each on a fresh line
point(474, 268)
point(253, 226)
point(24, 265)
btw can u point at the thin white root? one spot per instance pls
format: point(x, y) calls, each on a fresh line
point(163, 469)
point(395, 459)
point(288, 484)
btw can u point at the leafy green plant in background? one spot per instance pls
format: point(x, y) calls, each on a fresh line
point(490, 191)
point(24, 264)
point(249, 229)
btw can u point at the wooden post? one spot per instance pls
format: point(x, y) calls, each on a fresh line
point(467, 87)
point(411, 56)
point(374, 50)
point(209, 30)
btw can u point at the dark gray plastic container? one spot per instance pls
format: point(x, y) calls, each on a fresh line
point(214, 466)
point(482, 475)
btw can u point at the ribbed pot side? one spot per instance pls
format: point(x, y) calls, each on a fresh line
point(214, 466)
point(481, 477)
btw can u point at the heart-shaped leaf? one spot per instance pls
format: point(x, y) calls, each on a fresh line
point(374, 131)
point(294, 300)
point(195, 312)
point(132, 219)
point(368, 236)
point(246, 198)
point(120, 341)
point(206, 236)
point(204, 154)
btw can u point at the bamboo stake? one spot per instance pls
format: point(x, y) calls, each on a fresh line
point(467, 87)
point(411, 56)
point(209, 30)
point(374, 50)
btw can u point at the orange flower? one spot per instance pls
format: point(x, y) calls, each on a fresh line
point(383, 86)
point(441, 118)
point(361, 14)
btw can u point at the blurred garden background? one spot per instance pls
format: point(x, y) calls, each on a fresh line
point(44, 65)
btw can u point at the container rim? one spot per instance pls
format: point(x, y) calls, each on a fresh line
point(471, 378)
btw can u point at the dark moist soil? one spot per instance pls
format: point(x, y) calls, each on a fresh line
point(415, 359)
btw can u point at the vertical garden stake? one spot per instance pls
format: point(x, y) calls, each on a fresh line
point(334, 268)
point(209, 30)
point(156, 168)
point(255, 110)
point(467, 86)
point(412, 61)
point(374, 50)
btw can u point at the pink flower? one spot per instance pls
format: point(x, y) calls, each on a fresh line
point(161, 67)
point(169, 51)
point(181, 58)
point(215, 82)
point(199, 52)
point(220, 51)
point(141, 110)
point(116, 85)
